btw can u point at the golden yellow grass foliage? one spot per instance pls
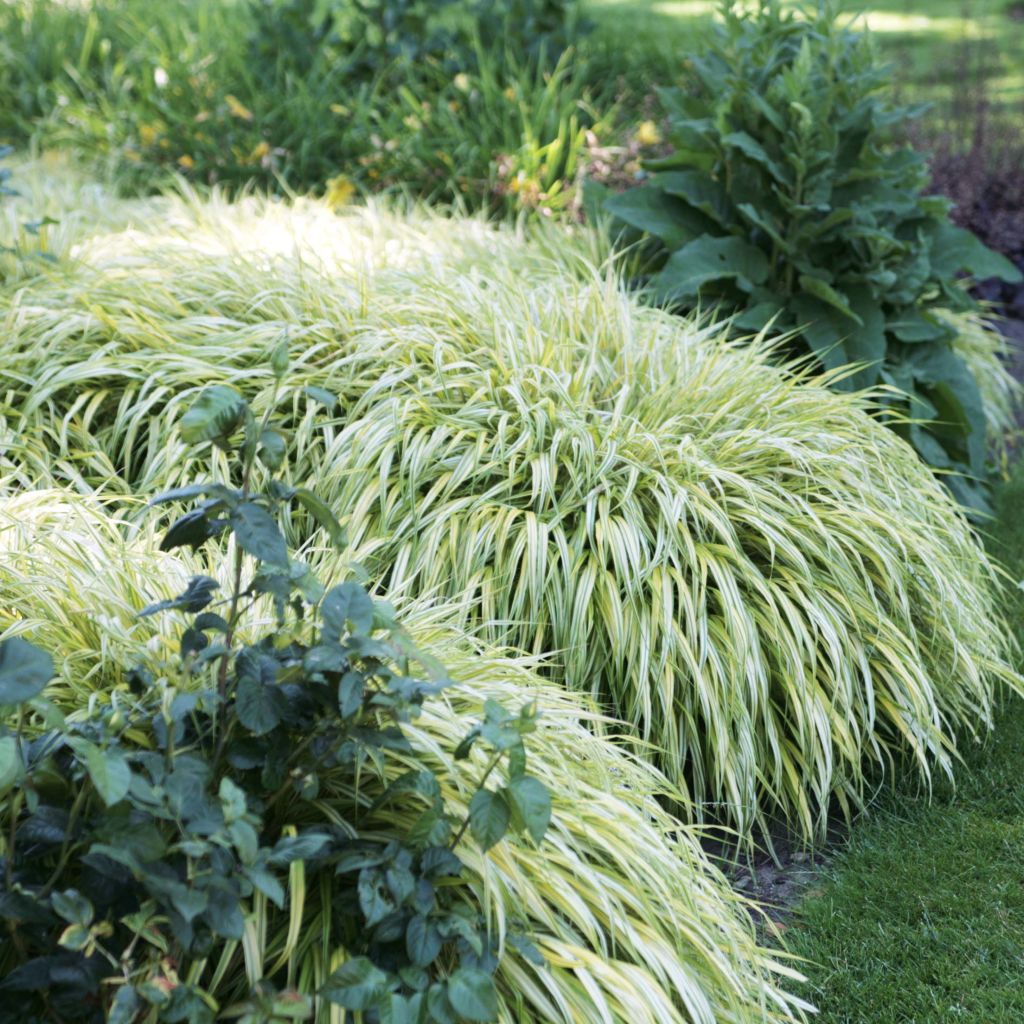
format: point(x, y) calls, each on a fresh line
point(761, 579)
point(636, 926)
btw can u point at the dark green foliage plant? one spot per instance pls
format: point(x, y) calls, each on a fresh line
point(786, 200)
point(369, 37)
point(140, 833)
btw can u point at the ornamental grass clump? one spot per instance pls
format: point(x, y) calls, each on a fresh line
point(760, 578)
point(615, 916)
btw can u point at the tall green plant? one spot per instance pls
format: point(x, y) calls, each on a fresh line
point(141, 834)
point(785, 200)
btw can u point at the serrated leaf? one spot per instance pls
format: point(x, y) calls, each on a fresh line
point(24, 670)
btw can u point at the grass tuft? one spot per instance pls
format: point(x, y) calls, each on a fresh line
point(763, 581)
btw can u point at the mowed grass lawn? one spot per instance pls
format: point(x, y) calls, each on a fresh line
point(920, 919)
point(942, 51)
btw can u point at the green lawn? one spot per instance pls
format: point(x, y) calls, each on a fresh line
point(921, 918)
point(936, 46)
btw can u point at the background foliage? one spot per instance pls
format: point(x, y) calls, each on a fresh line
point(784, 198)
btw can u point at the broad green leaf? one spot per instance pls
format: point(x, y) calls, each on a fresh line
point(823, 290)
point(301, 847)
point(73, 907)
point(258, 534)
point(422, 941)
point(708, 260)
point(110, 773)
point(751, 148)
point(358, 984)
point(531, 805)
point(214, 415)
point(700, 191)
point(224, 914)
point(472, 994)
point(955, 249)
point(259, 705)
point(347, 603)
point(666, 217)
point(824, 329)
point(266, 883)
point(913, 325)
point(489, 817)
point(193, 529)
point(24, 670)
point(866, 343)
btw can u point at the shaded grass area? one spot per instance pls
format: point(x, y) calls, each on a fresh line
point(944, 52)
point(921, 918)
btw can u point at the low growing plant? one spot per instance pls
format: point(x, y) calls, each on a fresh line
point(765, 582)
point(785, 202)
point(144, 838)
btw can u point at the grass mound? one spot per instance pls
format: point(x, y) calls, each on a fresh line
point(633, 922)
point(762, 580)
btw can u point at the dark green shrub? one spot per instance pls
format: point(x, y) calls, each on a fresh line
point(786, 201)
point(368, 37)
point(141, 833)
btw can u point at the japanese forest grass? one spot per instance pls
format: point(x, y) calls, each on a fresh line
point(763, 581)
point(634, 924)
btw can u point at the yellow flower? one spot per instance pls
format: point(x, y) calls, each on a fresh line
point(647, 134)
point(260, 151)
point(340, 109)
point(339, 191)
point(462, 82)
point(148, 134)
point(186, 163)
point(237, 109)
point(510, 93)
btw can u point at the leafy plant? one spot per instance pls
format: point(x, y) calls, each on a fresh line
point(784, 201)
point(761, 579)
point(140, 834)
point(652, 940)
